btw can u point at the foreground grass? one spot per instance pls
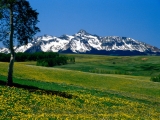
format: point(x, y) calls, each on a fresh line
point(73, 94)
point(73, 103)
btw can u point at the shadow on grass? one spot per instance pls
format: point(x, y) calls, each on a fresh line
point(41, 91)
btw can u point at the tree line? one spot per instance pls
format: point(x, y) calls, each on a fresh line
point(48, 59)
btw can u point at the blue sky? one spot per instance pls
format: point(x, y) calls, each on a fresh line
point(137, 19)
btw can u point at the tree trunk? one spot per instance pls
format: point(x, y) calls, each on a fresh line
point(11, 64)
point(10, 71)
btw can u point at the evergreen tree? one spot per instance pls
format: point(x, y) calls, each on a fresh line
point(17, 22)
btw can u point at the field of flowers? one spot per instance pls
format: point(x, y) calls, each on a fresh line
point(71, 93)
point(19, 103)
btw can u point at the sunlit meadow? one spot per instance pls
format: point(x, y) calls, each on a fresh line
point(19, 103)
point(64, 93)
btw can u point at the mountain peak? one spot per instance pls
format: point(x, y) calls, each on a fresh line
point(83, 32)
point(83, 42)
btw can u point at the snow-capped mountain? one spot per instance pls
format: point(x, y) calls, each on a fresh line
point(83, 42)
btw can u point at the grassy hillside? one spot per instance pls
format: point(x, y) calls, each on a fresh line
point(130, 65)
point(76, 91)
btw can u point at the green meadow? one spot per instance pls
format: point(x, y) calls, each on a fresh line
point(95, 87)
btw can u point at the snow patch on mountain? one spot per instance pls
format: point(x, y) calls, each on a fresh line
point(83, 42)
